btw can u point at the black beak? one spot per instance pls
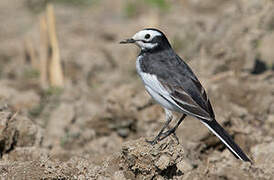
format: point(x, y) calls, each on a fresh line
point(127, 41)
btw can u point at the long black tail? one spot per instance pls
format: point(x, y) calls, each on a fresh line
point(226, 139)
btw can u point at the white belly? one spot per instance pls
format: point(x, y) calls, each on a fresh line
point(162, 101)
point(154, 88)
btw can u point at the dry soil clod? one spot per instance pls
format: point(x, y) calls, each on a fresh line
point(146, 161)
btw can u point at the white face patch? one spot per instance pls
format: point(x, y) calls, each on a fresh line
point(143, 45)
point(144, 36)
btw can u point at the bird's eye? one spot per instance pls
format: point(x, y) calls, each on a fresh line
point(147, 36)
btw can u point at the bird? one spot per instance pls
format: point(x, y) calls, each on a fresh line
point(173, 85)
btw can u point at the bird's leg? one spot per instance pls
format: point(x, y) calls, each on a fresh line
point(168, 120)
point(172, 131)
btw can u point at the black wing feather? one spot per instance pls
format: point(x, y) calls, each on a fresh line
point(177, 77)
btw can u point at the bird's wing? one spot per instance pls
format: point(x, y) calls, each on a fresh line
point(183, 87)
point(188, 98)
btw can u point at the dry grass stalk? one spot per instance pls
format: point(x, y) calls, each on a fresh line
point(55, 69)
point(43, 52)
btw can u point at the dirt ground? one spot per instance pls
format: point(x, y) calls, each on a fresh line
point(96, 126)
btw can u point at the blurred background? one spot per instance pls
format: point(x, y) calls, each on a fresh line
point(70, 95)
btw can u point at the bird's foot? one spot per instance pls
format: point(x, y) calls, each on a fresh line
point(156, 139)
point(164, 135)
point(153, 142)
point(168, 133)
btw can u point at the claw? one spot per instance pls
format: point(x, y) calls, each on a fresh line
point(176, 137)
point(153, 142)
point(169, 132)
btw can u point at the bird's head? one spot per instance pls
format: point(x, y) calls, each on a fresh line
point(149, 39)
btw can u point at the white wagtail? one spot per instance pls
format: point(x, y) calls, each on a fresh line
point(171, 83)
